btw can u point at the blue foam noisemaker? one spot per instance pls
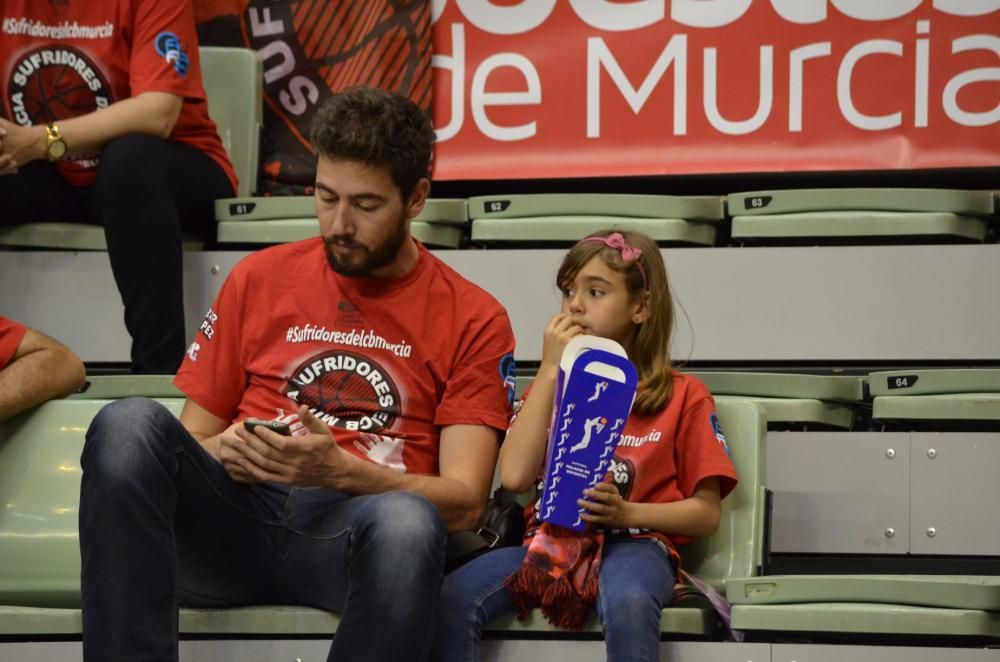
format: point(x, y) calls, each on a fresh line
point(593, 398)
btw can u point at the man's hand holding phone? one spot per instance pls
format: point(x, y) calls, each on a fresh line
point(302, 460)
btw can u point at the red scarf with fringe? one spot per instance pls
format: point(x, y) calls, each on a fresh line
point(558, 575)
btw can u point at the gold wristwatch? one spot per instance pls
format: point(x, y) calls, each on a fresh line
point(55, 146)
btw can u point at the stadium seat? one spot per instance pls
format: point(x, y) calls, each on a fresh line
point(40, 485)
point(800, 399)
point(943, 591)
point(233, 84)
point(861, 618)
point(931, 605)
point(939, 395)
point(935, 464)
point(40, 474)
point(279, 219)
point(566, 218)
point(859, 213)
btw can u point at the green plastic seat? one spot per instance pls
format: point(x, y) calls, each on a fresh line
point(854, 224)
point(734, 550)
point(701, 208)
point(784, 385)
point(860, 618)
point(946, 591)
point(289, 229)
point(800, 399)
point(280, 219)
point(571, 228)
point(112, 387)
point(806, 411)
point(234, 80)
point(274, 208)
point(63, 236)
point(566, 218)
point(934, 382)
point(233, 87)
point(976, 203)
point(66, 236)
point(40, 486)
point(949, 406)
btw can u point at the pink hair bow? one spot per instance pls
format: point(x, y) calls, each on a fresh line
point(629, 253)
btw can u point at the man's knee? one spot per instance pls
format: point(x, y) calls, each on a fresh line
point(126, 436)
point(405, 519)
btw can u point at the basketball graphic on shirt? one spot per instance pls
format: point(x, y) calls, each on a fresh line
point(345, 390)
point(53, 83)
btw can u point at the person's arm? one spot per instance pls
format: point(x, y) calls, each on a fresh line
point(523, 449)
point(203, 425)
point(217, 436)
point(40, 370)
point(466, 458)
point(150, 113)
point(697, 516)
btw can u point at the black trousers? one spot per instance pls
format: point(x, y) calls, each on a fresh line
point(148, 191)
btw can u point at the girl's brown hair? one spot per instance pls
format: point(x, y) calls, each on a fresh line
point(650, 350)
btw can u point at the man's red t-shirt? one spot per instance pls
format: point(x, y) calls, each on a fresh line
point(386, 363)
point(11, 334)
point(64, 59)
point(661, 458)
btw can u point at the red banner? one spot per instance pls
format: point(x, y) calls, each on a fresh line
point(587, 88)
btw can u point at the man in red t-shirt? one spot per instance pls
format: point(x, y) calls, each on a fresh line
point(33, 368)
point(392, 376)
point(103, 119)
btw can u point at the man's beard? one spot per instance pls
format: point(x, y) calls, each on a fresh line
point(365, 260)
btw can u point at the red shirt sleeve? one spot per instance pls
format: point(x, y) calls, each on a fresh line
point(11, 334)
point(213, 373)
point(701, 449)
point(480, 389)
point(164, 55)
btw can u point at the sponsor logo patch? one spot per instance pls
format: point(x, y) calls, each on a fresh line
point(169, 47)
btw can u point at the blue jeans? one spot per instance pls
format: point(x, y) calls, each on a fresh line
point(162, 525)
point(636, 580)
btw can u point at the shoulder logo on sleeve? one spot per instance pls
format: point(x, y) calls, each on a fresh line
point(717, 430)
point(169, 47)
point(507, 367)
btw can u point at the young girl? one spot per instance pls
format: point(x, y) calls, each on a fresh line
point(669, 473)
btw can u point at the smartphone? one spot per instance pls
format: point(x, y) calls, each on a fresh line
point(273, 426)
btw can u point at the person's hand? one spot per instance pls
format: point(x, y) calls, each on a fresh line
point(559, 331)
point(21, 145)
point(605, 506)
point(307, 460)
point(231, 454)
point(380, 449)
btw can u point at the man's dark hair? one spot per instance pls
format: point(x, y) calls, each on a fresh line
point(378, 128)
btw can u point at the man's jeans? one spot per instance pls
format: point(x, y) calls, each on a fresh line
point(162, 525)
point(636, 580)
